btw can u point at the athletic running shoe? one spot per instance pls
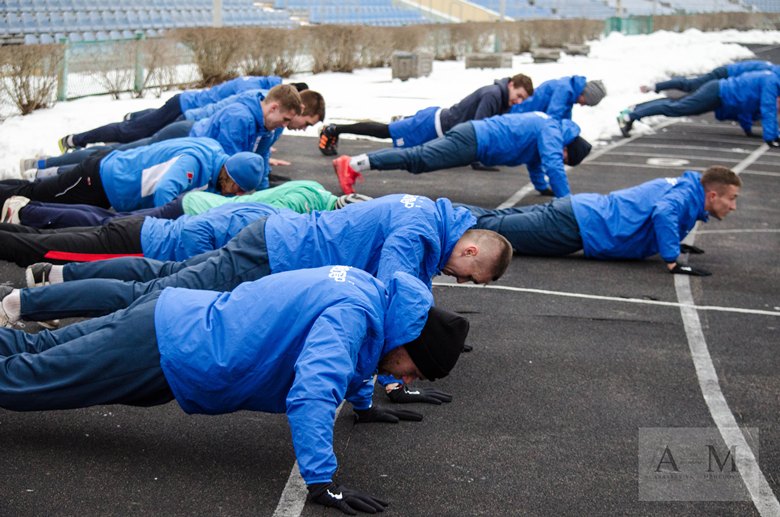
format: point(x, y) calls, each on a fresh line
point(624, 123)
point(25, 164)
point(37, 275)
point(329, 140)
point(66, 144)
point(11, 209)
point(346, 174)
point(5, 290)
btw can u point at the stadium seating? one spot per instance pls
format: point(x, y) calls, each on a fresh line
point(79, 20)
point(44, 21)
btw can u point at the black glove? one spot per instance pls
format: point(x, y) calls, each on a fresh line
point(774, 143)
point(345, 499)
point(693, 250)
point(403, 394)
point(679, 269)
point(479, 166)
point(546, 192)
point(380, 414)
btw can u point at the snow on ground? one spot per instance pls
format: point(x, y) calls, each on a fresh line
point(622, 62)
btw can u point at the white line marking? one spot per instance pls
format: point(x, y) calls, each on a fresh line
point(293, 497)
point(765, 230)
point(642, 301)
point(754, 479)
point(763, 497)
point(763, 173)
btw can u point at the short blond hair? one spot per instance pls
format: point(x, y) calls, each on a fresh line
point(497, 247)
point(719, 176)
point(287, 96)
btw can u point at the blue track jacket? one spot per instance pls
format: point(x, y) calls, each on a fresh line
point(554, 97)
point(535, 140)
point(392, 233)
point(209, 109)
point(239, 127)
point(750, 97)
point(190, 99)
point(741, 67)
point(641, 221)
point(300, 354)
point(153, 175)
point(189, 235)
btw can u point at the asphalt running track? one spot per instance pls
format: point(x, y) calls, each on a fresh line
point(571, 359)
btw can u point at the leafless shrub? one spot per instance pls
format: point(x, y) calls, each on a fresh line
point(215, 52)
point(341, 54)
point(115, 66)
point(160, 59)
point(29, 74)
point(270, 51)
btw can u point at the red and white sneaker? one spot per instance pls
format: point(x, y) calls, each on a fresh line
point(347, 175)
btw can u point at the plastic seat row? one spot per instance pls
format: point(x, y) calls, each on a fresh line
point(51, 22)
point(77, 37)
point(86, 5)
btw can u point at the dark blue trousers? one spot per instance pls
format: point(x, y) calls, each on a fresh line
point(61, 215)
point(694, 83)
point(179, 129)
point(548, 230)
point(135, 128)
point(706, 98)
point(244, 258)
point(108, 360)
point(458, 147)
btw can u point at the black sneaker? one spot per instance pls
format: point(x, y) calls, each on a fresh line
point(37, 275)
point(625, 123)
point(329, 140)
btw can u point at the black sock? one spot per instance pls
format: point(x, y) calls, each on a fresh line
point(375, 129)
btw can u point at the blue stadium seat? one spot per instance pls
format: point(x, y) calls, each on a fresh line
point(75, 37)
point(115, 35)
point(31, 39)
point(13, 23)
point(102, 36)
point(47, 39)
point(88, 36)
point(29, 23)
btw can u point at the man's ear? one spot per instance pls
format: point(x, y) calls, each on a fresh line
point(472, 250)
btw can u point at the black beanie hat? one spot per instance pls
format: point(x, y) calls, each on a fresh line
point(578, 149)
point(438, 347)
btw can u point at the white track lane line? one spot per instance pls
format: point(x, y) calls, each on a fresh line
point(640, 301)
point(744, 230)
